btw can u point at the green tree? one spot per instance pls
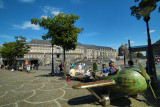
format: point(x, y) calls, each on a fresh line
point(139, 55)
point(13, 50)
point(95, 68)
point(21, 46)
point(61, 31)
point(142, 4)
point(8, 52)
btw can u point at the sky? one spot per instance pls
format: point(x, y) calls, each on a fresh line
point(106, 22)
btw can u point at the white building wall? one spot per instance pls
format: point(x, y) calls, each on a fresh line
point(41, 51)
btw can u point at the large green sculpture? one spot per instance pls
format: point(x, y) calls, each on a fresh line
point(128, 81)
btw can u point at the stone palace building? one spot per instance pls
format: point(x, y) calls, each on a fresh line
point(41, 49)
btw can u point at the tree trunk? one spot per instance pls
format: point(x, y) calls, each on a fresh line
point(64, 62)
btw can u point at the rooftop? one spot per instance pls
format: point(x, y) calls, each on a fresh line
point(47, 42)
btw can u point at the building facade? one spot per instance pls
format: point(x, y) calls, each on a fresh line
point(41, 49)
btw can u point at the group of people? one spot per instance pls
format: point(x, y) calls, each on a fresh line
point(80, 71)
point(34, 66)
point(112, 70)
point(89, 74)
point(81, 68)
point(59, 67)
point(104, 71)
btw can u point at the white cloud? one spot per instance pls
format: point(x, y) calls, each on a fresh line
point(55, 12)
point(44, 17)
point(132, 42)
point(76, 1)
point(26, 25)
point(151, 31)
point(26, 1)
point(1, 4)
point(50, 10)
point(92, 34)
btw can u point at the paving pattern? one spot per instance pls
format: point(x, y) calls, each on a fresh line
point(38, 89)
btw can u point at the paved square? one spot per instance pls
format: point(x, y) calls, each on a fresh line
point(37, 89)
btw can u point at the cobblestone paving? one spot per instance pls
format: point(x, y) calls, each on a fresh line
point(36, 89)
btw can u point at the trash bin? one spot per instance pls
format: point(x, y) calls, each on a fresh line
point(28, 67)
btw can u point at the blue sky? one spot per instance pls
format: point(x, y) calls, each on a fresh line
point(105, 22)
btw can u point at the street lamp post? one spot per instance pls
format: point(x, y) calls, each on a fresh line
point(123, 49)
point(130, 55)
point(145, 12)
point(52, 72)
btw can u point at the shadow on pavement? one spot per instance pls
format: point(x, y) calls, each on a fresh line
point(51, 75)
point(83, 100)
point(121, 102)
point(90, 99)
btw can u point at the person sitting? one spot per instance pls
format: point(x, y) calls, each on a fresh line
point(104, 70)
point(130, 63)
point(89, 74)
point(112, 69)
point(121, 67)
point(72, 72)
point(68, 78)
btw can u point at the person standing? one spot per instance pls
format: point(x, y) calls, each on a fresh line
point(130, 63)
point(60, 67)
point(37, 65)
point(72, 64)
point(80, 68)
point(57, 67)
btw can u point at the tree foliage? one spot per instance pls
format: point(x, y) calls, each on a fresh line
point(122, 49)
point(142, 4)
point(12, 50)
point(21, 46)
point(139, 55)
point(61, 30)
point(95, 68)
point(7, 52)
